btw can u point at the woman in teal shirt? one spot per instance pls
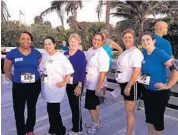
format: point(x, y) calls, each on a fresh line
point(109, 45)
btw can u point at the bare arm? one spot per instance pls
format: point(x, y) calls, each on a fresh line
point(173, 79)
point(101, 80)
point(136, 73)
point(66, 80)
point(7, 68)
point(116, 46)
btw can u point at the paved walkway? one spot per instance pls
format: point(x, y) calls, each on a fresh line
point(112, 117)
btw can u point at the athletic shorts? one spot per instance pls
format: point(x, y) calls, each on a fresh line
point(155, 104)
point(91, 100)
point(134, 92)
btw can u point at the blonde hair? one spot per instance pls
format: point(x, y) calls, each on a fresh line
point(75, 36)
point(105, 32)
point(128, 30)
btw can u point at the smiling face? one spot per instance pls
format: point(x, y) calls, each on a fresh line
point(25, 41)
point(49, 46)
point(147, 42)
point(128, 40)
point(74, 44)
point(97, 41)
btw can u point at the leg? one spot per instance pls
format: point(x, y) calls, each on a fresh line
point(19, 100)
point(158, 132)
point(95, 115)
point(98, 111)
point(75, 105)
point(151, 129)
point(55, 120)
point(32, 96)
point(130, 111)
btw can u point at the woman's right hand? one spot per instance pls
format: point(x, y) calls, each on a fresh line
point(60, 84)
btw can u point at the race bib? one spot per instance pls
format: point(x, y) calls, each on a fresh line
point(118, 75)
point(44, 78)
point(144, 79)
point(27, 78)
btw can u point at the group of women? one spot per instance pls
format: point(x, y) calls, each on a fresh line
point(53, 74)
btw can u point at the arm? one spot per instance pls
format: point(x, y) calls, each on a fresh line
point(66, 80)
point(136, 73)
point(173, 79)
point(82, 69)
point(7, 68)
point(116, 46)
point(101, 80)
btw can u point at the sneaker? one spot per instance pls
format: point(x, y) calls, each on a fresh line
point(93, 128)
point(74, 133)
point(30, 133)
point(123, 132)
point(89, 125)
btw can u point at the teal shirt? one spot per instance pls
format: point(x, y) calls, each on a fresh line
point(163, 44)
point(108, 49)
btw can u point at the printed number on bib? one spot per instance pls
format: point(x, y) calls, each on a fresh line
point(144, 79)
point(27, 78)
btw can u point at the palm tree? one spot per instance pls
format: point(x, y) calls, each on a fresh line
point(4, 12)
point(64, 6)
point(101, 3)
point(135, 13)
point(38, 20)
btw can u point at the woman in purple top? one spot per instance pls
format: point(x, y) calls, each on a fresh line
point(26, 82)
point(74, 87)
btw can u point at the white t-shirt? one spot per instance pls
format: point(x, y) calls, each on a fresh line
point(97, 61)
point(56, 67)
point(128, 59)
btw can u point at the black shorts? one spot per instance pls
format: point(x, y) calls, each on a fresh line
point(2, 66)
point(155, 103)
point(91, 100)
point(134, 92)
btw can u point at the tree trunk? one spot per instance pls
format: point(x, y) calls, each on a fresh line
point(141, 28)
point(108, 7)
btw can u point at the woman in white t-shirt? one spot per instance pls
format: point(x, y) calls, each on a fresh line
point(128, 71)
point(97, 68)
point(55, 71)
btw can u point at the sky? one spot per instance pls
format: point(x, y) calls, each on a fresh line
point(32, 8)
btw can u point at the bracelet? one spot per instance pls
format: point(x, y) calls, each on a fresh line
point(79, 86)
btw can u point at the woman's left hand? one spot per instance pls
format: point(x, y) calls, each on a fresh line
point(60, 84)
point(161, 86)
point(77, 91)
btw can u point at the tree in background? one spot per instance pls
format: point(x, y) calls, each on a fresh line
point(38, 20)
point(136, 13)
point(65, 6)
point(99, 8)
point(4, 12)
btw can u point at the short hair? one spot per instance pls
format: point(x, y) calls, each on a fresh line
point(51, 38)
point(100, 34)
point(105, 32)
point(28, 33)
point(128, 30)
point(75, 36)
point(159, 23)
point(147, 33)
